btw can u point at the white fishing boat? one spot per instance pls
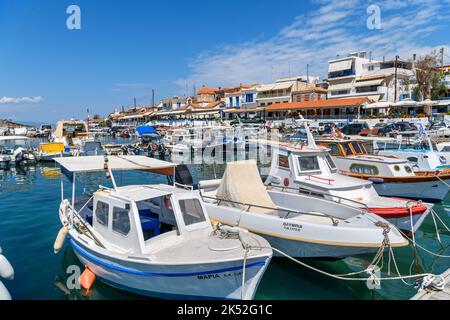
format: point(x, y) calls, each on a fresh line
point(306, 167)
point(72, 133)
point(5, 158)
point(420, 153)
point(19, 149)
point(7, 273)
point(157, 240)
point(390, 176)
point(297, 224)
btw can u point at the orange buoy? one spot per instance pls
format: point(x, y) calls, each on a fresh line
point(87, 279)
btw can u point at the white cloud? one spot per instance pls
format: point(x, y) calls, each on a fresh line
point(9, 100)
point(334, 27)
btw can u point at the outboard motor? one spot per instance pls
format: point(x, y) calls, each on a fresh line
point(182, 176)
point(23, 157)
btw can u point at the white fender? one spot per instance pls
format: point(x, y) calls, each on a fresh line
point(4, 293)
point(6, 269)
point(60, 238)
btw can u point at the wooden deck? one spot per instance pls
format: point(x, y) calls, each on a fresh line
point(436, 295)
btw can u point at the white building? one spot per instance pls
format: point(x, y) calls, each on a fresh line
point(357, 76)
point(280, 91)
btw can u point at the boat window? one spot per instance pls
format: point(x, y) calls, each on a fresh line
point(192, 211)
point(408, 169)
point(283, 161)
point(413, 159)
point(445, 149)
point(357, 148)
point(330, 163)
point(397, 168)
point(364, 169)
point(121, 221)
point(101, 213)
point(308, 164)
point(335, 151)
point(348, 150)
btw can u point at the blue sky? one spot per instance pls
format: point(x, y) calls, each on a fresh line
point(126, 48)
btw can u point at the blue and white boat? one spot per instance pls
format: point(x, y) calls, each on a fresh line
point(421, 154)
point(157, 240)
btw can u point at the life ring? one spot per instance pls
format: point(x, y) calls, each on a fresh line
point(286, 182)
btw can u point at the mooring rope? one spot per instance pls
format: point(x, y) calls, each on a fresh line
point(442, 180)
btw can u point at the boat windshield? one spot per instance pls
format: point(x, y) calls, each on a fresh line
point(192, 211)
point(331, 163)
point(309, 164)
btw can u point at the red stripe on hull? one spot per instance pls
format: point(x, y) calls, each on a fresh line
point(398, 212)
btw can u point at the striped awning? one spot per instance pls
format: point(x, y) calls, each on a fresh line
point(340, 65)
point(340, 86)
point(369, 83)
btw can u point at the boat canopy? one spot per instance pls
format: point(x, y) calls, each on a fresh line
point(146, 130)
point(97, 164)
point(241, 186)
point(140, 192)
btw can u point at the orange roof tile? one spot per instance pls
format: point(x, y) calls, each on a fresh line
point(333, 103)
point(311, 88)
point(207, 90)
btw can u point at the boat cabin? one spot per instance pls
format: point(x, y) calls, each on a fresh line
point(134, 217)
point(351, 157)
point(344, 148)
point(71, 128)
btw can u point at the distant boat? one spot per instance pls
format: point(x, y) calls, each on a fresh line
point(391, 176)
point(306, 167)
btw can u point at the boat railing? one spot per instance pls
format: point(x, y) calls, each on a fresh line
point(183, 186)
point(325, 196)
point(328, 181)
point(334, 219)
point(87, 228)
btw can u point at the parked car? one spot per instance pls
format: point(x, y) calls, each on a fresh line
point(393, 129)
point(374, 131)
point(354, 128)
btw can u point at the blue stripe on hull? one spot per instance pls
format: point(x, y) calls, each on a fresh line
point(151, 274)
point(158, 295)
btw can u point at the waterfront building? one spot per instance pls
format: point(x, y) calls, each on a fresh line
point(309, 93)
point(357, 76)
point(173, 103)
point(348, 108)
point(207, 95)
point(279, 92)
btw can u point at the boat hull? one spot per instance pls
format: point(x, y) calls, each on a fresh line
point(218, 280)
point(308, 239)
point(430, 191)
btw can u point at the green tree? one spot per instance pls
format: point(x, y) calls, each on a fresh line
point(428, 77)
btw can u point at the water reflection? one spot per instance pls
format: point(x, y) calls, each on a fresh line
point(17, 179)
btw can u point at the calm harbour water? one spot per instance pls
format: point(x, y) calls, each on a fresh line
point(29, 202)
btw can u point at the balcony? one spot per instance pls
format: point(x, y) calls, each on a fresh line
point(341, 74)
